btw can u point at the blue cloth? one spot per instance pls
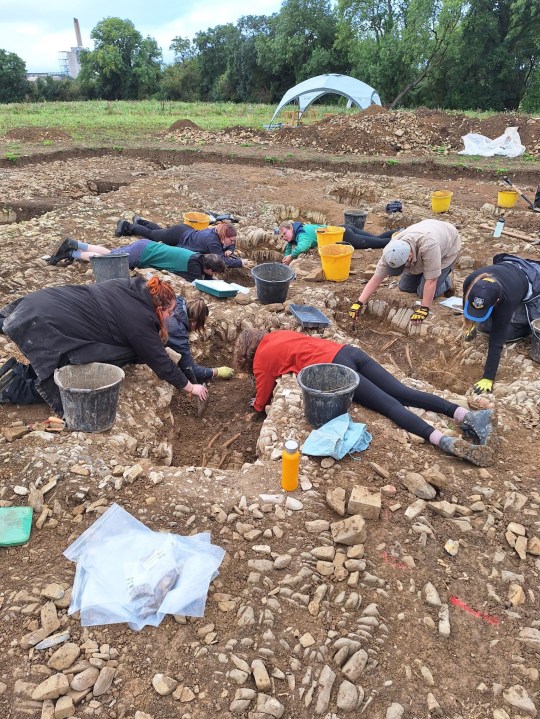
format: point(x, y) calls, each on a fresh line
point(337, 438)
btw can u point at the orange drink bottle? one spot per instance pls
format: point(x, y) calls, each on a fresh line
point(290, 466)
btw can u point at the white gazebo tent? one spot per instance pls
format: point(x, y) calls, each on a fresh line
point(357, 92)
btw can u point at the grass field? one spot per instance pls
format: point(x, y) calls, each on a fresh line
point(116, 122)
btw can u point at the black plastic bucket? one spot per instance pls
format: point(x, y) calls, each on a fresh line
point(89, 395)
point(110, 267)
point(327, 390)
point(356, 218)
point(272, 281)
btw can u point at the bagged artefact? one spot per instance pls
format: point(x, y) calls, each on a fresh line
point(129, 573)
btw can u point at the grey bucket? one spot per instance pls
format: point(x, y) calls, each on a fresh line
point(89, 394)
point(535, 344)
point(327, 390)
point(356, 218)
point(272, 281)
point(110, 267)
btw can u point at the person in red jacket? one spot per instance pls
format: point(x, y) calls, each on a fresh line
point(267, 356)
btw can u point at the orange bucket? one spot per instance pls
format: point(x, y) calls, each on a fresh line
point(197, 220)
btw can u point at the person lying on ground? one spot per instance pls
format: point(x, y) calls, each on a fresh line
point(301, 238)
point(502, 300)
point(189, 317)
point(145, 253)
point(217, 240)
point(267, 356)
point(424, 255)
point(118, 322)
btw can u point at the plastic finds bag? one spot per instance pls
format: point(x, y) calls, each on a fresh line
point(128, 573)
point(337, 438)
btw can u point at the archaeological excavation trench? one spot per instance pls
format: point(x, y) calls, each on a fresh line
point(295, 625)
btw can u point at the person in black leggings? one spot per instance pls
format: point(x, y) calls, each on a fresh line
point(364, 240)
point(270, 355)
point(217, 240)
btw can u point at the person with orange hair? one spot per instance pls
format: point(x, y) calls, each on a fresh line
point(118, 322)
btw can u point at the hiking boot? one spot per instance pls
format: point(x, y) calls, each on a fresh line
point(138, 220)
point(6, 373)
point(122, 229)
point(64, 252)
point(477, 426)
point(477, 454)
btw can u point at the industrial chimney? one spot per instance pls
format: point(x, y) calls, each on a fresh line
point(77, 32)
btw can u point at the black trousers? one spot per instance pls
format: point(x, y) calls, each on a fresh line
point(364, 240)
point(172, 236)
point(383, 393)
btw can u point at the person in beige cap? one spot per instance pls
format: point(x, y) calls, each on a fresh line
point(424, 255)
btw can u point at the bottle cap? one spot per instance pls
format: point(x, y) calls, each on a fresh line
point(291, 446)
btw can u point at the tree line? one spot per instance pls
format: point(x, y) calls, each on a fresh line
point(453, 54)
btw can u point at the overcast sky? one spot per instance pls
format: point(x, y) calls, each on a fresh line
point(37, 30)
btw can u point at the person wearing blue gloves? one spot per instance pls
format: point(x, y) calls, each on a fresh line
point(501, 300)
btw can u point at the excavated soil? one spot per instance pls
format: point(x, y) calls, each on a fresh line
point(206, 473)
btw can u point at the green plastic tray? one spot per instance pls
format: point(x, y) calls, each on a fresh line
point(15, 525)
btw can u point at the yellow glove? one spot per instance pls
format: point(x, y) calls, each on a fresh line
point(355, 310)
point(420, 314)
point(483, 386)
point(225, 372)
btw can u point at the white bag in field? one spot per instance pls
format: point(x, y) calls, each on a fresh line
point(507, 145)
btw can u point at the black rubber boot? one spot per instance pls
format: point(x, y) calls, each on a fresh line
point(477, 426)
point(122, 229)
point(64, 251)
point(138, 220)
point(6, 373)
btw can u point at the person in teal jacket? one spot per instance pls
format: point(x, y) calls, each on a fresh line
point(145, 253)
point(302, 238)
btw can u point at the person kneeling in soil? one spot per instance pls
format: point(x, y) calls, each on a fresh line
point(267, 356)
point(118, 322)
point(301, 238)
point(145, 253)
point(189, 317)
point(217, 240)
point(502, 300)
point(424, 255)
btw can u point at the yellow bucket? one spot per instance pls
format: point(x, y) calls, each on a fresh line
point(507, 198)
point(329, 235)
point(440, 200)
point(336, 261)
point(197, 220)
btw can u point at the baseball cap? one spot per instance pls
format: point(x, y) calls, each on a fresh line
point(482, 298)
point(395, 254)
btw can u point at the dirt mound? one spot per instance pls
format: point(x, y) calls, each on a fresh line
point(37, 134)
point(184, 125)
point(375, 110)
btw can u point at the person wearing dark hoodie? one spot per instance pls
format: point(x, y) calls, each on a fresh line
point(118, 322)
point(502, 300)
point(301, 238)
point(217, 240)
point(143, 254)
point(189, 317)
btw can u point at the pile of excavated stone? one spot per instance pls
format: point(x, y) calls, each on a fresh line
point(374, 131)
point(399, 583)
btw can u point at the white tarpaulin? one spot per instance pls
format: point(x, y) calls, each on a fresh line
point(507, 145)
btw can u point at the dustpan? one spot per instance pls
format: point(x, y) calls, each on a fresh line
point(15, 525)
